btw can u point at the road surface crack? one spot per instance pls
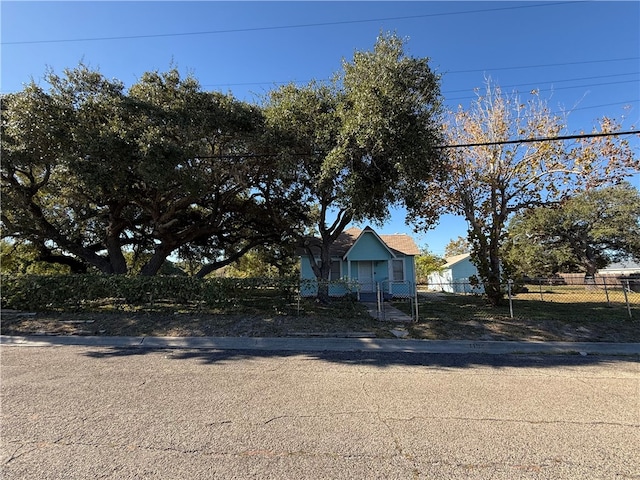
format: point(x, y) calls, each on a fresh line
point(384, 421)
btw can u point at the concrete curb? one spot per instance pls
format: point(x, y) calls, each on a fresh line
point(330, 344)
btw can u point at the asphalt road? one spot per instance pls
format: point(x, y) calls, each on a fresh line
point(78, 412)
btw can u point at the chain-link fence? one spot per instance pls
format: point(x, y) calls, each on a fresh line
point(601, 296)
point(607, 298)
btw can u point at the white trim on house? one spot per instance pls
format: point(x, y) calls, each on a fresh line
point(331, 260)
point(399, 247)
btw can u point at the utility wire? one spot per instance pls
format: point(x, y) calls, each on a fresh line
point(454, 99)
point(554, 88)
point(628, 102)
point(228, 84)
point(541, 139)
point(285, 27)
point(462, 145)
point(544, 65)
point(576, 79)
point(450, 99)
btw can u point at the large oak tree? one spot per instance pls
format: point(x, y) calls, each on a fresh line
point(585, 232)
point(358, 143)
point(91, 170)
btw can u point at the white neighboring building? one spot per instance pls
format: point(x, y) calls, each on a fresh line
point(624, 267)
point(453, 277)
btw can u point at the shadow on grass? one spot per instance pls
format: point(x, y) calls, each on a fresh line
point(470, 317)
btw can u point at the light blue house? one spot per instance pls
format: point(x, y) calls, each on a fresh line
point(453, 277)
point(364, 263)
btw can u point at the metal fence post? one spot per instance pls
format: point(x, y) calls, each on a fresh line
point(379, 303)
point(606, 291)
point(509, 283)
point(540, 283)
point(625, 288)
point(417, 306)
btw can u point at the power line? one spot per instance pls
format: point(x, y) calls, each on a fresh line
point(628, 102)
point(556, 88)
point(284, 82)
point(274, 82)
point(541, 139)
point(285, 27)
point(576, 79)
point(544, 65)
point(453, 99)
point(462, 145)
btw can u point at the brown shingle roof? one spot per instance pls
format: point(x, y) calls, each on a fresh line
point(402, 243)
point(399, 242)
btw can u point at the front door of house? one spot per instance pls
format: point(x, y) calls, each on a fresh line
point(365, 276)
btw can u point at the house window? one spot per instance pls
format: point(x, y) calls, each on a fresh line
point(397, 273)
point(335, 270)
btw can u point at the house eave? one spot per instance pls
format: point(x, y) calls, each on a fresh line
point(371, 230)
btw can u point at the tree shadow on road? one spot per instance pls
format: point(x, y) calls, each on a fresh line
point(376, 359)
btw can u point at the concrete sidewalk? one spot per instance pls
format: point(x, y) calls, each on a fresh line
point(331, 344)
point(389, 314)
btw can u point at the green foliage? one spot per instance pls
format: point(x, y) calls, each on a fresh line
point(21, 258)
point(266, 261)
point(585, 232)
point(457, 247)
point(427, 263)
point(91, 170)
point(526, 257)
point(90, 292)
point(389, 126)
point(359, 144)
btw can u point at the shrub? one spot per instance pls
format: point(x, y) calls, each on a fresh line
point(64, 292)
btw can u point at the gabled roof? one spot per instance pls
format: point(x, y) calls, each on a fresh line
point(451, 261)
point(402, 243)
point(397, 243)
point(369, 230)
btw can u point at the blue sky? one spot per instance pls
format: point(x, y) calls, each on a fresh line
point(582, 56)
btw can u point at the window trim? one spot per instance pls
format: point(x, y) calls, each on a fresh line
point(339, 262)
point(402, 270)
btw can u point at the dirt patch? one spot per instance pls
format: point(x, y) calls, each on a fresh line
point(187, 325)
point(526, 330)
point(355, 324)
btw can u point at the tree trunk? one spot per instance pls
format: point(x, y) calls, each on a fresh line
point(112, 240)
point(323, 277)
point(486, 258)
point(116, 258)
point(591, 268)
point(76, 248)
point(492, 287)
point(212, 267)
point(75, 265)
point(321, 270)
point(328, 235)
point(156, 261)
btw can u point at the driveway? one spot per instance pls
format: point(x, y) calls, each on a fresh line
point(86, 412)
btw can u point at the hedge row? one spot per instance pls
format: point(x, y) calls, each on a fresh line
point(54, 292)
